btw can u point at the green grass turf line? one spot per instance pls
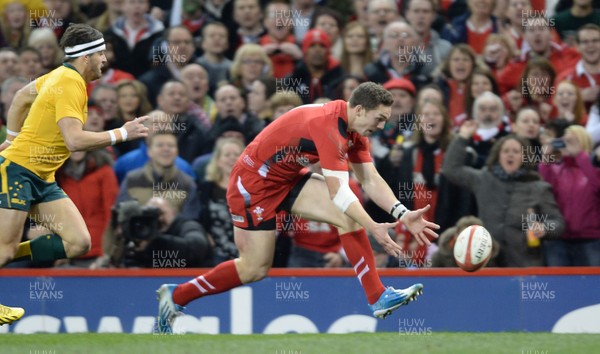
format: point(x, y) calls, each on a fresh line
point(360, 343)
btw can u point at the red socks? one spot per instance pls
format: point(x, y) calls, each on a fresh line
point(358, 249)
point(224, 276)
point(219, 279)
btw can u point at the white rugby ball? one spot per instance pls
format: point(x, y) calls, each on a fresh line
point(473, 248)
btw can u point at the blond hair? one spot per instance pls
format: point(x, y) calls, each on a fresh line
point(213, 172)
point(285, 98)
point(41, 36)
point(241, 53)
point(582, 136)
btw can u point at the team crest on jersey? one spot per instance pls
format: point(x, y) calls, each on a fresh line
point(258, 211)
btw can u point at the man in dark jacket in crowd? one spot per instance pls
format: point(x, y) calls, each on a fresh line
point(319, 73)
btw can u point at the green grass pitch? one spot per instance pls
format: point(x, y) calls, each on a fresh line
point(360, 343)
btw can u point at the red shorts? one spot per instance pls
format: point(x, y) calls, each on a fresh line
point(254, 200)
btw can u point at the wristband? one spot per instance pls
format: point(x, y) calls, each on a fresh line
point(8, 141)
point(10, 132)
point(123, 134)
point(398, 210)
point(113, 137)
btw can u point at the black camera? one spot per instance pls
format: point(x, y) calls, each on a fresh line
point(558, 144)
point(137, 223)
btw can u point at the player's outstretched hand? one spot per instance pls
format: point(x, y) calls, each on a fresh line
point(136, 128)
point(380, 233)
point(418, 226)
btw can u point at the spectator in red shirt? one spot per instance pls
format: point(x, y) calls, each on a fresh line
point(537, 88)
point(498, 52)
point(319, 73)
point(586, 73)
point(474, 27)
point(515, 13)
point(330, 22)
point(537, 43)
point(454, 74)
point(279, 42)
point(89, 180)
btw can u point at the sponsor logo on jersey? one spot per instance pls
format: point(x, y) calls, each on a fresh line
point(248, 161)
point(17, 201)
point(237, 218)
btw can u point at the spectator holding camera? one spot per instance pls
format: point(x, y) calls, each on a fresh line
point(506, 192)
point(576, 186)
point(171, 241)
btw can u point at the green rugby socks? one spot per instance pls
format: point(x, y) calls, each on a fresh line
point(47, 248)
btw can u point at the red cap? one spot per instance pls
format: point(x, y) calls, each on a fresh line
point(402, 84)
point(315, 36)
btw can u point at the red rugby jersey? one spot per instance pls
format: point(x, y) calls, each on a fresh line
point(303, 136)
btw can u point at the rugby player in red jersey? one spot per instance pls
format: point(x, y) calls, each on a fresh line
point(270, 175)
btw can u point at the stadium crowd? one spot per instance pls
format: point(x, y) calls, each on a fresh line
point(496, 120)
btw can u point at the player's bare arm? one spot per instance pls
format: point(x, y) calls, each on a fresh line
point(18, 112)
point(343, 197)
point(378, 190)
point(78, 139)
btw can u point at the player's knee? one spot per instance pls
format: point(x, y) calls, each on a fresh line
point(255, 273)
point(80, 247)
point(7, 254)
point(260, 272)
point(346, 224)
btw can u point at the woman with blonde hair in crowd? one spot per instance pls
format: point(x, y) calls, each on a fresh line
point(214, 215)
point(44, 40)
point(249, 64)
point(576, 187)
point(356, 49)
